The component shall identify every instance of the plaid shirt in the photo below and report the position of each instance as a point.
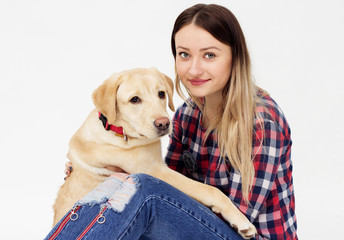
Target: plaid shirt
(272, 204)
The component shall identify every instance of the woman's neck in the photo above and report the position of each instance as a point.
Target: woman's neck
(210, 110)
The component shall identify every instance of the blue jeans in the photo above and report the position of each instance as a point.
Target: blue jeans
(143, 208)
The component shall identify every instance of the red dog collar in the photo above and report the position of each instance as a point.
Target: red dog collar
(118, 130)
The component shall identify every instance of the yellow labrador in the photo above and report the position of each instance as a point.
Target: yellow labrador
(132, 106)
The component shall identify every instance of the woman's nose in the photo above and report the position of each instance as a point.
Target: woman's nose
(195, 68)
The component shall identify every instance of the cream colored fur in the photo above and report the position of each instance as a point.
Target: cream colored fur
(92, 148)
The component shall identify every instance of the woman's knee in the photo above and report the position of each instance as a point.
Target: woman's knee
(138, 189)
(143, 179)
(133, 187)
(149, 183)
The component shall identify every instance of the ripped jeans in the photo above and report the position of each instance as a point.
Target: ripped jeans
(140, 207)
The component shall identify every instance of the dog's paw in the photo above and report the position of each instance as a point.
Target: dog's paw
(240, 223)
(246, 229)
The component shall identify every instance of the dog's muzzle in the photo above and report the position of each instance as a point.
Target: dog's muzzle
(162, 124)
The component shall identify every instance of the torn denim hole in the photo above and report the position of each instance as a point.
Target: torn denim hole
(102, 192)
(123, 195)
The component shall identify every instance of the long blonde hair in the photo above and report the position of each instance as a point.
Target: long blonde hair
(234, 122)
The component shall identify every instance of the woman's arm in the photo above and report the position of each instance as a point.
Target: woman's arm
(272, 203)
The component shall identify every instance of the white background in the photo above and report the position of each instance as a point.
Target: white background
(53, 54)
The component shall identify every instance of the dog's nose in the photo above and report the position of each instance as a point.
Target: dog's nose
(162, 123)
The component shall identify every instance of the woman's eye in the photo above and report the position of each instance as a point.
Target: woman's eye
(161, 94)
(135, 100)
(184, 55)
(209, 55)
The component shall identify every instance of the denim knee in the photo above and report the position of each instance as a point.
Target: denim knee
(149, 185)
(144, 179)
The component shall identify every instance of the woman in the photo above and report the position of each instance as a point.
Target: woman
(229, 134)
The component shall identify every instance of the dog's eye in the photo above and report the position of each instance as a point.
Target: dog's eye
(135, 100)
(161, 94)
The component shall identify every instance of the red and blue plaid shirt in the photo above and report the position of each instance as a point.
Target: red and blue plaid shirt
(272, 204)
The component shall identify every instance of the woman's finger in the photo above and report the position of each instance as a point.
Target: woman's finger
(68, 166)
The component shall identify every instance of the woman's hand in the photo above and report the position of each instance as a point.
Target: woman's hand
(69, 169)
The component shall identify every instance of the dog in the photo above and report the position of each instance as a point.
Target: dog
(124, 131)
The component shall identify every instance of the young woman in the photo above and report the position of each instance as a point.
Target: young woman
(229, 134)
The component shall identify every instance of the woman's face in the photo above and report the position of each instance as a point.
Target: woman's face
(203, 63)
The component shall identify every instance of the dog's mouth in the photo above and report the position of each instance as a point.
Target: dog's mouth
(163, 132)
(158, 134)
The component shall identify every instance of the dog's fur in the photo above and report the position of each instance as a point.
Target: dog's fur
(92, 148)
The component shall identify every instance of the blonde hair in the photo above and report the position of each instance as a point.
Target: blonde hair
(233, 124)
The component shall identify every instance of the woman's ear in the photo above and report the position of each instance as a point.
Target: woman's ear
(104, 97)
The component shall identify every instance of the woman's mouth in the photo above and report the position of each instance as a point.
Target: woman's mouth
(198, 82)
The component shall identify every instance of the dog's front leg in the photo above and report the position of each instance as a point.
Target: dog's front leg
(210, 197)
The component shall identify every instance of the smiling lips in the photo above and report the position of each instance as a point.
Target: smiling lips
(198, 82)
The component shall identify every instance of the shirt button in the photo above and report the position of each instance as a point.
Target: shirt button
(189, 161)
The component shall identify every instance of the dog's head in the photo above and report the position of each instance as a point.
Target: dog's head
(136, 100)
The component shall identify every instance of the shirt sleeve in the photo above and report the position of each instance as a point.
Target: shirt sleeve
(271, 206)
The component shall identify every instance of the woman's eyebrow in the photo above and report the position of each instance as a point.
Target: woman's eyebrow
(207, 48)
(201, 50)
(184, 48)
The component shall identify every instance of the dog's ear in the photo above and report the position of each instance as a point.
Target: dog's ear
(104, 97)
(169, 87)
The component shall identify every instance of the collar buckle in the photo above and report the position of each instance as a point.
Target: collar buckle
(118, 130)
